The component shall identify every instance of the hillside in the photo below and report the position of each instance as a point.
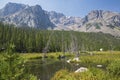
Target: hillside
(24, 15)
(35, 40)
(34, 16)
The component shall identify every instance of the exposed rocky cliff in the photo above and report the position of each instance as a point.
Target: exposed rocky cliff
(35, 16)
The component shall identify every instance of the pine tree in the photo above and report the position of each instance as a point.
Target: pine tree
(12, 66)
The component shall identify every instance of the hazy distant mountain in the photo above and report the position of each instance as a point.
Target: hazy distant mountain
(35, 16)
(101, 21)
(24, 15)
(95, 21)
(11, 8)
(64, 22)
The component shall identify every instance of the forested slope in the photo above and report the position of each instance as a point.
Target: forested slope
(35, 40)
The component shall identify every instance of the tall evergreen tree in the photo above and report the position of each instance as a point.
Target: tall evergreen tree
(12, 66)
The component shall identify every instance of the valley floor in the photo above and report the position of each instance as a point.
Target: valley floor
(57, 69)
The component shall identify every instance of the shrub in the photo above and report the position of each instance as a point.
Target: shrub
(12, 67)
(66, 75)
(60, 75)
(114, 68)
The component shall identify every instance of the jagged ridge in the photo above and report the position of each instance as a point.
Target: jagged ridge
(35, 16)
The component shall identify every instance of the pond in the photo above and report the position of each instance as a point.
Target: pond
(46, 69)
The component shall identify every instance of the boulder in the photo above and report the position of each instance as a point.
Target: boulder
(99, 66)
(81, 69)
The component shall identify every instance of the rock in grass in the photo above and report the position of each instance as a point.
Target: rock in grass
(76, 59)
(99, 66)
(81, 69)
(68, 61)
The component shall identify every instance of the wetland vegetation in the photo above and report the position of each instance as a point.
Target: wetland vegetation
(43, 55)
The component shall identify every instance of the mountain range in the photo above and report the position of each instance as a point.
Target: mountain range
(35, 16)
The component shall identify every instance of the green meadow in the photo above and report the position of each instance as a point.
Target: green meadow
(62, 70)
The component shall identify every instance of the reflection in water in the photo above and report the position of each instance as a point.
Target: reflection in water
(45, 70)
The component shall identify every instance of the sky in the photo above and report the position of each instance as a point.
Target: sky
(78, 8)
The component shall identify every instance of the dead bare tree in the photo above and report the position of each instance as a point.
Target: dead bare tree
(74, 45)
(46, 48)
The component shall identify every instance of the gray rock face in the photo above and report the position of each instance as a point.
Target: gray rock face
(64, 22)
(95, 21)
(23, 15)
(11, 8)
(102, 15)
(101, 21)
(35, 16)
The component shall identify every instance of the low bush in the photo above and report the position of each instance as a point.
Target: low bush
(114, 68)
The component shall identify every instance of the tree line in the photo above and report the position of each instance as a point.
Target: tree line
(36, 40)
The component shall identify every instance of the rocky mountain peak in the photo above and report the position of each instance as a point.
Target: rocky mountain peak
(53, 14)
(35, 16)
(95, 14)
(24, 15)
(36, 8)
(11, 8)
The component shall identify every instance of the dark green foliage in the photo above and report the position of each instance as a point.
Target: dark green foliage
(97, 25)
(88, 26)
(111, 26)
(12, 66)
(35, 40)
